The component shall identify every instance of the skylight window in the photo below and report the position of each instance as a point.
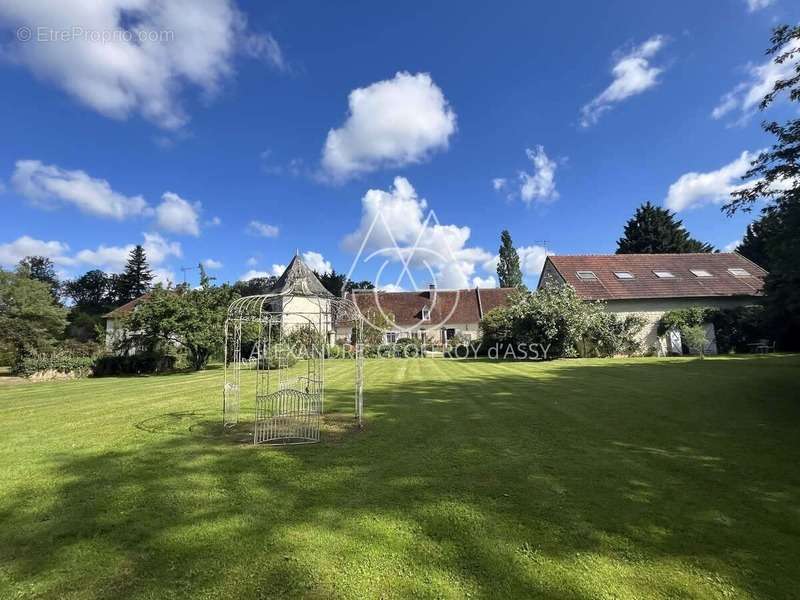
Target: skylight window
(586, 275)
(664, 274)
(700, 273)
(623, 275)
(738, 272)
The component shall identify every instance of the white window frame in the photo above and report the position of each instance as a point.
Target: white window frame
(702, 273)
(663, 274)
(624, 275)
(739, 272)
(426, 313)
(391, 337)
(592, 275)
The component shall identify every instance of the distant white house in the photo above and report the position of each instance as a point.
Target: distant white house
(653, 284)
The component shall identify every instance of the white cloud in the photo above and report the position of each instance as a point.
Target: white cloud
(13, 252)
(499, 183)
(394, 122)
(747, 95)
(265, 47)
(633, 74)
(113, 258)
(278, 270)
(531, 259)
(214, 222)
(108, 258)
(252, 261)
(177, 215)
(754, 5)
(252, 274)
(49, 185)
(732, 246)
(484, 282)
(391, 287)
(541, 184)
(316, 262)
(262, 229)
(154, 51)
(694, 189)
(399, 215)
(210, 263)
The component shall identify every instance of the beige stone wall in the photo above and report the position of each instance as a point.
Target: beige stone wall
(653, 310)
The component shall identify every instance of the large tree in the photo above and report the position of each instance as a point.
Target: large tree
(509, 274)
(191, 319)
(137, 278)
(655, 230)
(755, 240)
(775, 176)
(41, 269)
(91, 295)
(30, 319)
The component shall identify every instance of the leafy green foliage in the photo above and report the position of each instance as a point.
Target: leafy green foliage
(256, 286)
(655, 230)
(376, 324)
(735, 328)
(30, 319)
(695, 338)
(775, 176)
(184, 318)
(684, 317)
(509, 274)
(754, 244)
(610, 334)
(58, 362)
(41, 269)
(152, 361)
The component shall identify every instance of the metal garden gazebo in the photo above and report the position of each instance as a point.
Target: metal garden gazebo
(265, 335)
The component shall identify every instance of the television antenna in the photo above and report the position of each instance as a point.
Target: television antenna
(186, 270)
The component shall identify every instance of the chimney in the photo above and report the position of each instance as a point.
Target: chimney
(431, 290)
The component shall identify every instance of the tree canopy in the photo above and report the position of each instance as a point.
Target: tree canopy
(509, 274)
(655, 230)
(137, 278)
(30, 320)
(41, 269)
(775, 176)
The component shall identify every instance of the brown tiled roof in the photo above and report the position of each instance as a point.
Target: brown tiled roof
(446, 306)
(645, 284)
(126, 308)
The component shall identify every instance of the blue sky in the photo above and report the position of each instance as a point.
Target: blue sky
(259, 129)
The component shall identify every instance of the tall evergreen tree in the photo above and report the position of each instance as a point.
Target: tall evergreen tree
(756, 238)
(655, 230)
(508, 272)
(775, 176)
(137, 277)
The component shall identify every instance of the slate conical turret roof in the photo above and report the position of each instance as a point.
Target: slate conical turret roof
(299, 280)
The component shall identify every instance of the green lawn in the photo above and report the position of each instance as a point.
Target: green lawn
(670, 478)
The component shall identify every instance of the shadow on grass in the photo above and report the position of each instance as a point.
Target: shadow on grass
(673, 479)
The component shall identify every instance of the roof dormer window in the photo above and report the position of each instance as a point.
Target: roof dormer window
(426, 314)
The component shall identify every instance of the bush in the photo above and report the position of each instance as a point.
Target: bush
(609, 334)
(736, 327)
(695, 338)
(58, 362)
(133, 364)
(684, 317)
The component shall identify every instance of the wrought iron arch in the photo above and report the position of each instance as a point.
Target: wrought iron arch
(287, 410)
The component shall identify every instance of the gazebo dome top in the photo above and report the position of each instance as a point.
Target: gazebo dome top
(299, 280)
